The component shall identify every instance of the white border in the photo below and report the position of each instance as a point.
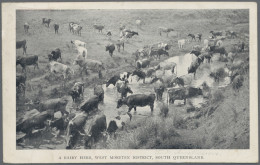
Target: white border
(11, 155)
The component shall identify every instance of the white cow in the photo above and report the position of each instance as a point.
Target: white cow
(56, 67)
(181, 43)
(82, 51)
(139, 23)
(206, 43)
(79, 43)
(219, 43)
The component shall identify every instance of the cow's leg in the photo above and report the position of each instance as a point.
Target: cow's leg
(184, 101)
(151, 106)
(135, 108)
(130, 108)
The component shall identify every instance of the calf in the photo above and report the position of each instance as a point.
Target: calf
(159, 89)
(46, 21)
(56, 67)
(158, 53)
(25, 61)
(82, 52)
(215, 49)
(76, 29)
(137, 100)
(120, 43)
(56, 28)
(21, 44)
(110, 48)
(123, 88)
(130, 34)
(143, 63)
(199, 35)
(140, 74)
(216, 33)
(165, 30)
(77, 91)
(99, 27)
(99, 92)
(181, 43)
(192, 37)
(90, 105)
(57, 104)
(191, 92)
(79, 43)
(26, 27)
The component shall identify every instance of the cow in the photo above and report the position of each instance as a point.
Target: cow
(99, 92)
(159, 89)
(140, 74)
(165, 30)
(74, 129)
(26, 61)
(76, 29)
(55, 55)
(143, 63)
(124, 76)
(35, 122)
(77, 90)
(117, 123)
(57, 104)
(95, 131)
(176, 94)
(99, 27)
(199, 35)
(82, 51)
(56, 67)
(56, 28)
(237, 82)
(177, 81)
(181, 43)
(232, 34)
(21, 44)
(93, 65)
(26, 27)
(46, 21)
(166, 65)
(192, 37)
(20, 82)
(90, 105)
(71, 24)
(120, 43)
(206, 43)
(123, 88)
(219, 43)
(110, 48)
(130, 34)
(192, 92)
(113, 80)
(215, 49)
(158, 53)
(193, 67)
(218, 74)
(141, 53)
(217, 33)
(136, 100)
(139, 23)
(79, 43)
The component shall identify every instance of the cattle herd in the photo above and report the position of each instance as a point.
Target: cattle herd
(72, 123)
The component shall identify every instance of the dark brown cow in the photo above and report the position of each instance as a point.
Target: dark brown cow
(21, 44)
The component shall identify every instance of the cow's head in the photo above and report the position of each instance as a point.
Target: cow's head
(119, 103)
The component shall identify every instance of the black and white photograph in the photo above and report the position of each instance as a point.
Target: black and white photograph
(130, 79)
